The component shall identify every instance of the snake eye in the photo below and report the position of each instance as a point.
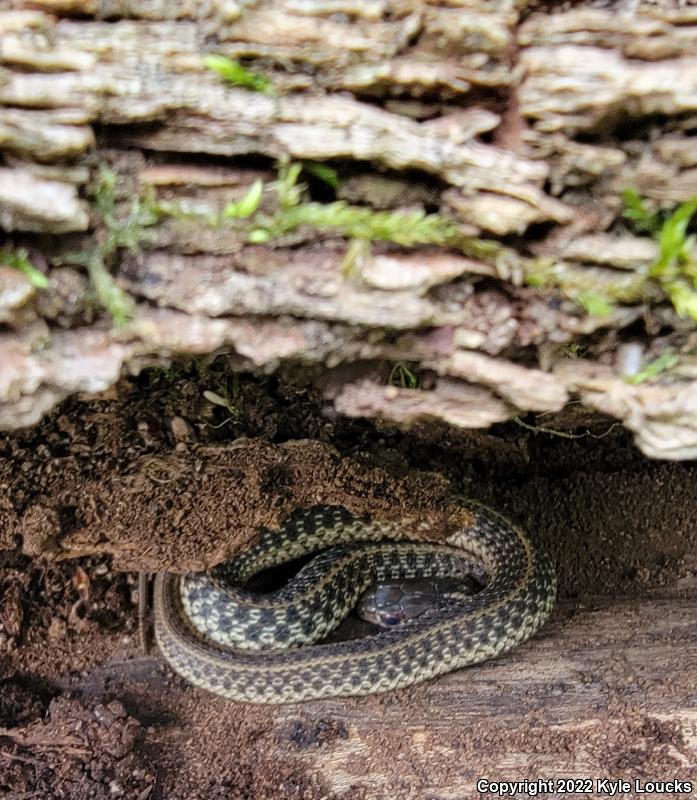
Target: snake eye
(390, 619)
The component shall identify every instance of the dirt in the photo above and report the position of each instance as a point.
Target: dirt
(86, 712)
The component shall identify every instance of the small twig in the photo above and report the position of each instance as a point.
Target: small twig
(23, 759)
(144, 637)
(66, 745)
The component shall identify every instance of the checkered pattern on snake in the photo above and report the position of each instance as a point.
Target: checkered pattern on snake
(261, 648)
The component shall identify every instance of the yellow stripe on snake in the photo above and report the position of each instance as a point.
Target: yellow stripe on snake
(261, 648)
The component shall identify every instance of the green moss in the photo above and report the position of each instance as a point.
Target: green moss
(675, 256)
(109, 296)
(596, 290)
(127, 232)
(288, 191)
(573, 350)
(233, 72)
(595, 304)
(19, 260)
(286, 211)
(290, 212)
(408, 228)
(674, 272)
(358, 252)
(116, 233)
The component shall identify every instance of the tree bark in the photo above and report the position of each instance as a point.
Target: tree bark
(518, 128)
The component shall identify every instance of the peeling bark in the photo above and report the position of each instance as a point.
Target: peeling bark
(520, 128)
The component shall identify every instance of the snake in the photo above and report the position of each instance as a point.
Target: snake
(220, 634)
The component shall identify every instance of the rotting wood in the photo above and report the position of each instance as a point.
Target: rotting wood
(611, 671)
(511, 119)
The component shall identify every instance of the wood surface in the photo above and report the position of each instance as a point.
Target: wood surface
(522, 125)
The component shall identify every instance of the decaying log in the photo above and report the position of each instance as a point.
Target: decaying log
(506, 134)
(521, 128)
(605, 691)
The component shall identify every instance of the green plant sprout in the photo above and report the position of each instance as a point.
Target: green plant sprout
(233, 72)
(247, 205)
(228, 399)
(401, 375)
(19, 260)
(223, 402)
(675, 269)
(324, 173)
(288, 191)
(635, 210)
(573, 350)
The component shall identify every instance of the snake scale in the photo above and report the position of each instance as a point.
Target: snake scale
(252, 654)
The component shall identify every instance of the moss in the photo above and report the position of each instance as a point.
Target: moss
(357, 254)
(268, 212)
(115, 232)
(595, 304)
(109, 296)
(233, 72)
(596, 290)
(407, 228)
(674, 273)
(635, 210)
(573, 350)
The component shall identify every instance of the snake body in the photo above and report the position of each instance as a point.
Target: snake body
(240, 645)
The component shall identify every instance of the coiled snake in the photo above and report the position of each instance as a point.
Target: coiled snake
(225, 639)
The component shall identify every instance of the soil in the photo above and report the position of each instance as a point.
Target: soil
(87, 712)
